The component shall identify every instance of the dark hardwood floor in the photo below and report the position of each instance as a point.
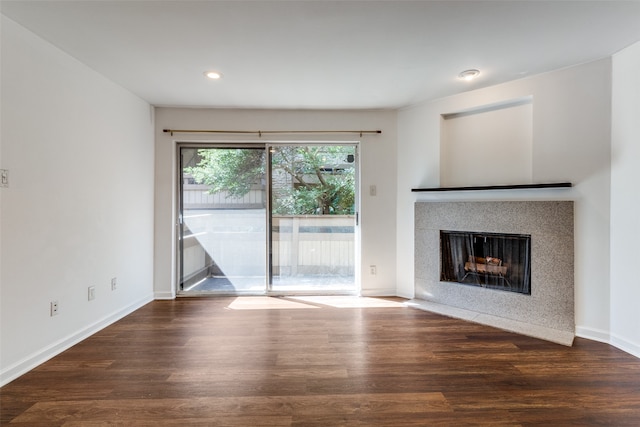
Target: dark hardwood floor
(282, 362)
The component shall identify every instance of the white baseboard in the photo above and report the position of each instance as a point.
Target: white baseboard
(164, 295)
(606, 337)
(378, 292)
(625, 345)
(593, 334)
(28, 363)
(407, 295)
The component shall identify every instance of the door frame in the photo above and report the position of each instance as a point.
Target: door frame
(178, 189)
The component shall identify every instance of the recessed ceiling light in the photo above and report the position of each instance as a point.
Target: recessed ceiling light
(213, 75)
(469, 74)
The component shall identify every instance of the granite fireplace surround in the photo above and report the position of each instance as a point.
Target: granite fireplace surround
(548, 313)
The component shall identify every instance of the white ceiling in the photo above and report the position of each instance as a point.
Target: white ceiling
(324, 54)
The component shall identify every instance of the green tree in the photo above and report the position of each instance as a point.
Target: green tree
(231, 170)
(307, 180)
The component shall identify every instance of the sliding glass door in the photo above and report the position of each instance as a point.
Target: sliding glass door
(273, 218)
(313, 218)
(222, 242)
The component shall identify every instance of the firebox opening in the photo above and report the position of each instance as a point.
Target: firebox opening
(489, 260)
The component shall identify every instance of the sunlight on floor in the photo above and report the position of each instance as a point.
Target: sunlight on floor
(266, 303)
(273, 303)
(350, 301)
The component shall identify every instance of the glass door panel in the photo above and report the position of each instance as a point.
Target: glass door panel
(223, 216)
(313, 218)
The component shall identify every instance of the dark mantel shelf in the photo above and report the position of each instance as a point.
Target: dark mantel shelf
(496, 187)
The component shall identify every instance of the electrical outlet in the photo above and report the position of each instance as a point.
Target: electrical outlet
(114, 283)
(92, 293)
(372, 270)
(54, 308)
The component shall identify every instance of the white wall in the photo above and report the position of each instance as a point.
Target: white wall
(378, 167)
(473, 147)
(79, 208)
(625, 201)
(571, 142)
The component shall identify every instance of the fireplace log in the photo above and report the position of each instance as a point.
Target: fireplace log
(487, 265)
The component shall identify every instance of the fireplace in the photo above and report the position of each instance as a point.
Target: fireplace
(490, 260)
(541, 230)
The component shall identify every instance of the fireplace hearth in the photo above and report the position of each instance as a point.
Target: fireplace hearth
(490, 260)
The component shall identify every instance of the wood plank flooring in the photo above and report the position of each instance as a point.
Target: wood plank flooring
(256, 361)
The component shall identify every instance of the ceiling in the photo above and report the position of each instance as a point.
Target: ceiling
(324, 54)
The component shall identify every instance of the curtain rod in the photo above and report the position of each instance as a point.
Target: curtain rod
(264, 132)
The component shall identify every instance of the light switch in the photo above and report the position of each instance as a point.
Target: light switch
(4, 177)
(373, 190)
